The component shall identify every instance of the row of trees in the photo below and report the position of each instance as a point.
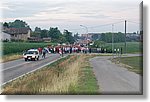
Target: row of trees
(117, 37)
(107, 37)
(54, 34)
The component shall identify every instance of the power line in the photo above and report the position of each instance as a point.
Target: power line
(106, 24)
(133, 22)
(100, 25)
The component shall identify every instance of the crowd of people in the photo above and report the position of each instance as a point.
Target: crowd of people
(61, 49)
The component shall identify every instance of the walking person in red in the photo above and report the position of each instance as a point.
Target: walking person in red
(40, 50)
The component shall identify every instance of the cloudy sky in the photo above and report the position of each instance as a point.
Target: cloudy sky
(96, 15)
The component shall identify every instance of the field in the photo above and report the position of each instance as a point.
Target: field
(135, 64)
(132, 47)
(70, 75)
(19, 47)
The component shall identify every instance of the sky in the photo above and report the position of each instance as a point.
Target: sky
(94, 15)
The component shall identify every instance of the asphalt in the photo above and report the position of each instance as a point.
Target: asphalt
(14, 69)
(114, 79)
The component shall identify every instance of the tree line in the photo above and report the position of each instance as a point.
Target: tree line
(107, 37)
(53, 32)
(117, 37)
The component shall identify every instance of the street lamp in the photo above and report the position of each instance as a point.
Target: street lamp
(86, 33)
(85, 28)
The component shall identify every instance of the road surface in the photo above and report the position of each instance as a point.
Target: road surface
(14, 69)
(114, 79)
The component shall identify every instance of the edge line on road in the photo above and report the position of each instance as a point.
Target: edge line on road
(32, 70)
(18, 65)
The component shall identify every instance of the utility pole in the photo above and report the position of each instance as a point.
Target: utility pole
(112, 40)
(125, 38)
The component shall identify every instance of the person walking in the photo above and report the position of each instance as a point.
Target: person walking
(43, 53)
(60, 51)
(40, 50)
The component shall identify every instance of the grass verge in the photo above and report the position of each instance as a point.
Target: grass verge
(134, 64)
(70, 75)
(87, 81)
(10, 57)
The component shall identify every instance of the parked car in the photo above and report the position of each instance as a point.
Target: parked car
(32, 54)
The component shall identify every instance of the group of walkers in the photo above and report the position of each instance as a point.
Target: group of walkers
(72, 49)
(62, 50)
(68, 49)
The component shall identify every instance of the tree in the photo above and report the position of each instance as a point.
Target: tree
(36, 32)
(76, 36)
(95, 37)
(102, 37)
(107, 37)
(18, 24)
(99, 43)
(55, 34)
(6, 25)
(68, 36)
(44, 33)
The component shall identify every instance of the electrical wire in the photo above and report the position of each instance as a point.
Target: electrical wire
(100, 25)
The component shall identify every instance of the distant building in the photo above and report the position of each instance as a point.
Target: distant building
(84, 42)
(133, 37)
(5, 36)
(86, 35)
(18, 33)
(35, 39)
(91, 36)
(47, 39)
(38, 39)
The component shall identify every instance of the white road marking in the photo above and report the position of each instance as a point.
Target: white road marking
(18, 65)
(14, 66)
(31, 71)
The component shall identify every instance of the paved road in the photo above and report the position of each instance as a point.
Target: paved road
(113, 79)
(14, 69)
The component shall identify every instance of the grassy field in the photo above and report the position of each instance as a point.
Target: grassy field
(70, 75)
(132, 47)
(19, 47)
(135, 63)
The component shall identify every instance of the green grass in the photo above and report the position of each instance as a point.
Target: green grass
(19, 47)
(69, 75)
(132, 47)
(87, 83)
(136, 63)
(11, 57)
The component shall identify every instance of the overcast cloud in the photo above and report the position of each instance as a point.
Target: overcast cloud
(70, 14)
